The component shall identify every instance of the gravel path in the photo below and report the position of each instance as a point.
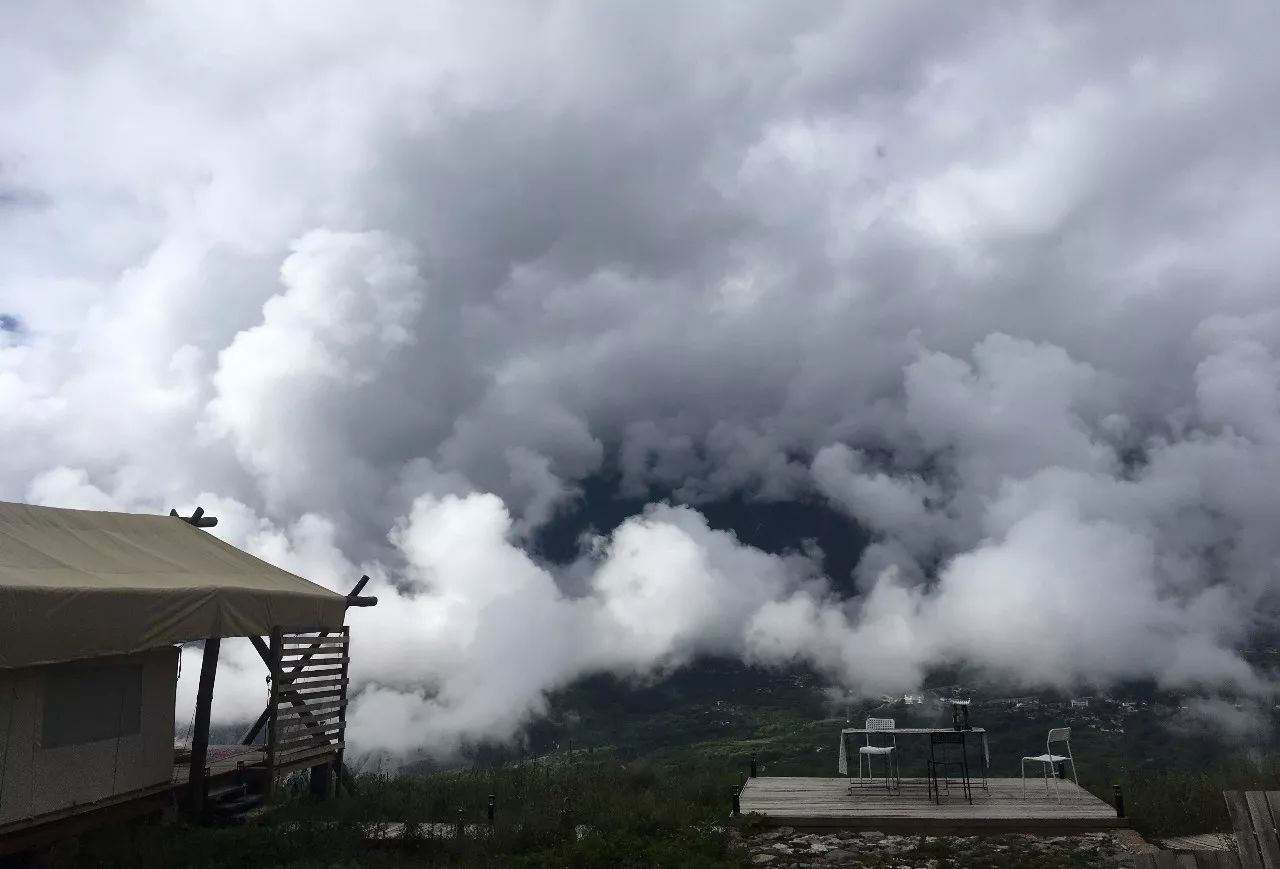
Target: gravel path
(784, 848)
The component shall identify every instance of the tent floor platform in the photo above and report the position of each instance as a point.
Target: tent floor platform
(827, 804)
(237, 763)
(220, 760)
(43, 830)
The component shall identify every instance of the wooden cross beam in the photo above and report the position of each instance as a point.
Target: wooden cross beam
(354, 598)
(265, 654)
(197, 518)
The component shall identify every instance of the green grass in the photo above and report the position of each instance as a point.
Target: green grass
(1179, 802)
(549, 814)
(554, 813)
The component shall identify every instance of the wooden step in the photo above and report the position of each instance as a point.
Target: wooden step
(237, 811)
(225, 793)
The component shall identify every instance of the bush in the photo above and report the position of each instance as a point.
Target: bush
(1181, 802)
(549, 814)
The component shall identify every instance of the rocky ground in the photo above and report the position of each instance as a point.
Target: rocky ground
(784, 848)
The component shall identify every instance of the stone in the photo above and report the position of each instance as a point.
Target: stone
(763, 859)
(836, 856)
(872, 836)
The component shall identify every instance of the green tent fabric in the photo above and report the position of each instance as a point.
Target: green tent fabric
(80, 584)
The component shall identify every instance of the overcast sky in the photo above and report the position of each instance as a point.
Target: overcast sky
(378, 283)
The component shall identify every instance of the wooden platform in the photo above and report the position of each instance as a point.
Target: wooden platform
(221, 760)
(825, 803)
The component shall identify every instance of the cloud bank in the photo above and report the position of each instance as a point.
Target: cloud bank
(380, 286)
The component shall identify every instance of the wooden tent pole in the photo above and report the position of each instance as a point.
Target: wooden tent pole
(200, 735)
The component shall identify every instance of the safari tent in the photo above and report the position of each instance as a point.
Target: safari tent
(93, 608)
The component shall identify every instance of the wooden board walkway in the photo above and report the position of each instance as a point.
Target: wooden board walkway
(221, 759)
(1188, 859)
(825, 803)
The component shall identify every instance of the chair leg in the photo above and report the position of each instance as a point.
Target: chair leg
(1074, 777)
(1057, 797)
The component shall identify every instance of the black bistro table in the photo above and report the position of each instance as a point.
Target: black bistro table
(914, 731)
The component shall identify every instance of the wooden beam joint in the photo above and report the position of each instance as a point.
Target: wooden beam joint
(197, 518)
(354, 598)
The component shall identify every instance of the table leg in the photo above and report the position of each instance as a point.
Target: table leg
(986, 762)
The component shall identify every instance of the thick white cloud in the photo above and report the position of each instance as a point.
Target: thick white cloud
(987, 282)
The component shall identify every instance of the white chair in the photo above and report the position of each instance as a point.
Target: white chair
(888, 752)
(1048, 759)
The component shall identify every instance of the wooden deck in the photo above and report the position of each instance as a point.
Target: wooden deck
(221, 760)
(825, 803)
(232, 763)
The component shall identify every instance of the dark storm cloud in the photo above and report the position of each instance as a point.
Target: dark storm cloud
(997, 284)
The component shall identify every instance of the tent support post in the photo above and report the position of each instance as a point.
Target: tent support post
(200, 734)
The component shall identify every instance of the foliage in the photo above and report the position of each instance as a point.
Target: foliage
(1179, 802)
(553, 813)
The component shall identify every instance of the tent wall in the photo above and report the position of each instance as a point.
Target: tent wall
(85, 731)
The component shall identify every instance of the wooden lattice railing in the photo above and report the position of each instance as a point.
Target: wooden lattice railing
(308, 709)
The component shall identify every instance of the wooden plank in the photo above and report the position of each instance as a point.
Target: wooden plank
(307, 744)
(913, 731)
(309, 721)
(328, 689)
(200, 733)
(1242, 824)
(1264, 829)
(334, 681)
(1198, 859)
(1273, 804)
(314, 685)
(290, 751)
(322, 720)
(826, 803)
(1186, 859)
(308, 740)
(320, 710)
(297, 754)
(314, 673)
(306, 736)
(1166, 860)
(274, 705)
(338, 656)
(307, 727)
(307, 699)
(1144, 861)
(309, 717)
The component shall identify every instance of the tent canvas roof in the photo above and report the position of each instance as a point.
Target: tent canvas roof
(82, 584)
